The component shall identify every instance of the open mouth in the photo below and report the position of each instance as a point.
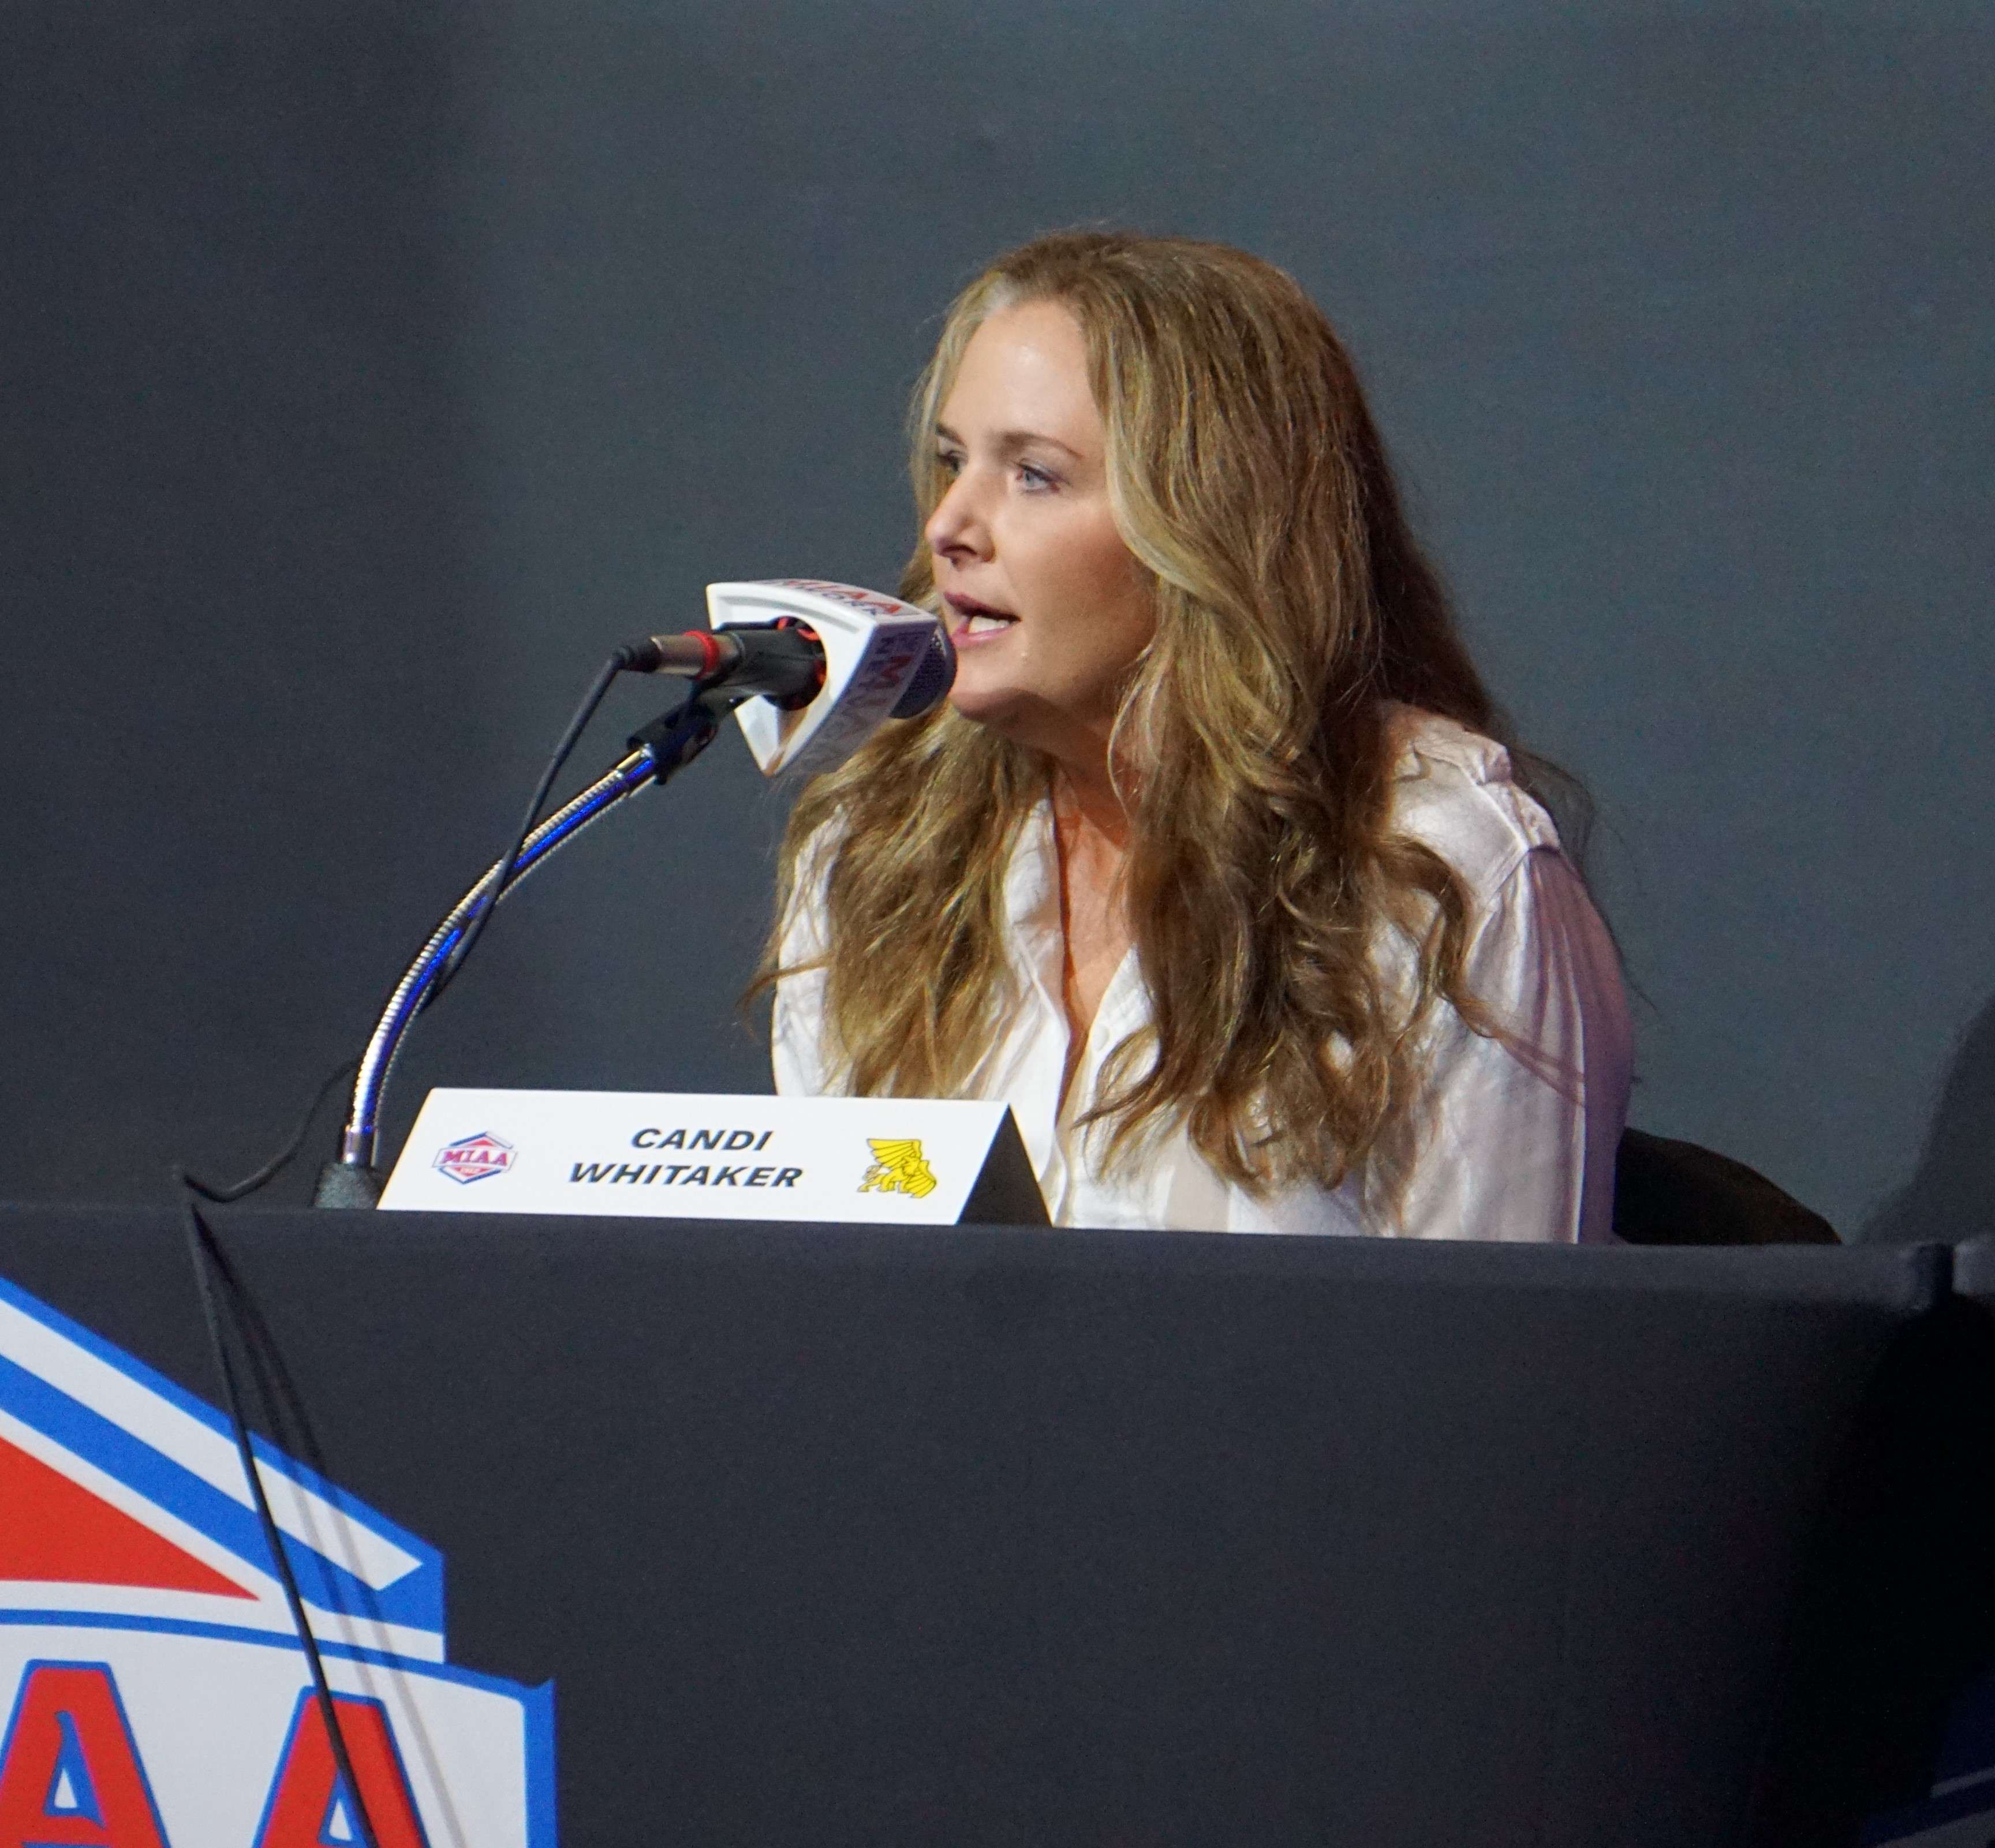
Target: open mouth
(976, 618)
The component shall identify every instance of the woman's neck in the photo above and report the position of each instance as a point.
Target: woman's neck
(1087, 809)
(1091, 834)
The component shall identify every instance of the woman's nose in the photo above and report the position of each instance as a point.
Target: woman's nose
(956, 527)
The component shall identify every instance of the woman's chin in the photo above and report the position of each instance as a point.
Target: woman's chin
(976, 697)
(1015, 714)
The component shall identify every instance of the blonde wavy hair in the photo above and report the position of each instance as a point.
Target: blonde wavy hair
(1252, 747)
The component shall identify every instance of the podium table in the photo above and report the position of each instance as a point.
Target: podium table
(836, 1534)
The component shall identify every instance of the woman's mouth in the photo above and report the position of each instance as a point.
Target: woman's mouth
(975, 620)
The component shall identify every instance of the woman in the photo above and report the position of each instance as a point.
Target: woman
(1211, 867)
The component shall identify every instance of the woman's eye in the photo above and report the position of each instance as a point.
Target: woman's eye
(1035, 478)
(949, 463)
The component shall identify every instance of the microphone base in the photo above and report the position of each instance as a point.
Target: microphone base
(346, 1184)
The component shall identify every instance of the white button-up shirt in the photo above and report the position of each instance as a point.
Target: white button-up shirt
(1511, 1143)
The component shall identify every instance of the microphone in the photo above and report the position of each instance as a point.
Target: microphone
(810, 668)
(783, 661)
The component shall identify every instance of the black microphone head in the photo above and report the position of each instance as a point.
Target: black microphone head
(933, 677)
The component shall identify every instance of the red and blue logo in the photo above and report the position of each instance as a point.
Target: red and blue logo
(470, 1158)
(154, 1693)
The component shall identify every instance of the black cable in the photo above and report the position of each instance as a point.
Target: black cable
(290, 1425)
(228, 1196)
(204, 1252)
(277, 1391)
(617, 662)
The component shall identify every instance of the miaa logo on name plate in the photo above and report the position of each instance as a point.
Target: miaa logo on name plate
(474, 1158)
(154, 1691)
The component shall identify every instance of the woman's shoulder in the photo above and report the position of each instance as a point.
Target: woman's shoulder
(1454, 790)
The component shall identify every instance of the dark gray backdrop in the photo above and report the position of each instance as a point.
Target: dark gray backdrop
(369, 368)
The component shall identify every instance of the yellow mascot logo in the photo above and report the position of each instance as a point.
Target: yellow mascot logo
(898, 1168)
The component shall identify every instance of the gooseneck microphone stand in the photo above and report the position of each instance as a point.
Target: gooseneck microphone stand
(783, 661)
(661, 750)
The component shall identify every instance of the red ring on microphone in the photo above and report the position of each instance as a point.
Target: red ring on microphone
(711, 657)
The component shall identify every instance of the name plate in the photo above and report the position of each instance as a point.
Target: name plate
(625, 1154)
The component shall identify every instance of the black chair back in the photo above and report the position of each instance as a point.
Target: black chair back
(1667, 1192)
